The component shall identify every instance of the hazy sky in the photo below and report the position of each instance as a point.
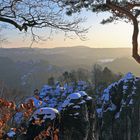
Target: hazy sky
(99, 36)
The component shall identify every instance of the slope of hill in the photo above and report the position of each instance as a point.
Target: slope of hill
(124, 65)
(35, 65)
(78, 52)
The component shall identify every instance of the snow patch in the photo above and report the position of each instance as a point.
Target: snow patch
(49, 113)
(11, 133)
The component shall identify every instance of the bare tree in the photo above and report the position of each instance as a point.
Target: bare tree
(30, 14)
(128, 10)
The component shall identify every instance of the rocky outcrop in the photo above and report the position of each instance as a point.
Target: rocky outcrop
(119, 114)
(74, 105)
(41, 120)
(114, 116)
(77, 117)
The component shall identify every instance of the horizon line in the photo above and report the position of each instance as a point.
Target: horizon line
(66, 47)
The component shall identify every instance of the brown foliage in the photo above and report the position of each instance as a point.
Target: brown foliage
(9, 108)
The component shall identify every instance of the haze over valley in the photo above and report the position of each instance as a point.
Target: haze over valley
(33, 66)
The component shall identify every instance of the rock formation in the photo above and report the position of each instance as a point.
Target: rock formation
(119, 114)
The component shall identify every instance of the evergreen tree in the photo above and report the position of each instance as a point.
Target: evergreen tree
(127, 10)
(51, 81)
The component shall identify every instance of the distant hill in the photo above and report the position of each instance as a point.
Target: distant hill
(76, 52)
(66, 56)
(124, 65)
(35, 65)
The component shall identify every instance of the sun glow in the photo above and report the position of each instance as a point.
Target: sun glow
(111, 35)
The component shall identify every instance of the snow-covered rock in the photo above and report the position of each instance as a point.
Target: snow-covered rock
(11, 133)
(74, 112)
(71, 98)
(45, 90)
(119, 109)
(47, 112)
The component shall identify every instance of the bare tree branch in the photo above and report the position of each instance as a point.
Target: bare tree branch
(25, 14)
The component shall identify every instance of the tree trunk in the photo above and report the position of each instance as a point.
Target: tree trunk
(135, 54)
(130, 15)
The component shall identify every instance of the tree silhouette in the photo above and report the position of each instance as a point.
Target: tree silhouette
(30, 14)
(127, 10)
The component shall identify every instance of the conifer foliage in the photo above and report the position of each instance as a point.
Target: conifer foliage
(126, 10)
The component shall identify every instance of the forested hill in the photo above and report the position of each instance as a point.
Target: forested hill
(31, 67)
(80, 53)
(117, 59)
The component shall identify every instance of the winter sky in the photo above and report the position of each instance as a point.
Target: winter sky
(99, 36)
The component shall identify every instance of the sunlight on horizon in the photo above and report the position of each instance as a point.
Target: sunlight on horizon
(113, 35)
